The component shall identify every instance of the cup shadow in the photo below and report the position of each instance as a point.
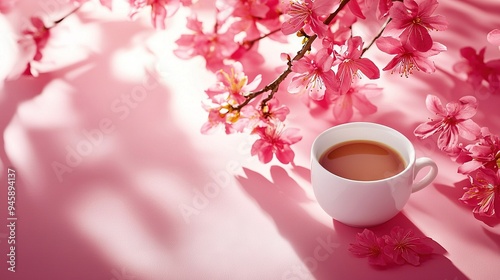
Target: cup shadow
(322, 249)
(455, 192)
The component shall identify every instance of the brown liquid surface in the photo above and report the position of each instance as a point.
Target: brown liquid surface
(362, 160)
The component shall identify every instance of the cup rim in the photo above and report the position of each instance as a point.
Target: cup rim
(411, 152)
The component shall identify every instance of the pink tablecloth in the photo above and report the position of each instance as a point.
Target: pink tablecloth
(152, 198)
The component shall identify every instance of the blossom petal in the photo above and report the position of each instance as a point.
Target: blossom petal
(427, 129)
(263, 150)
(285, 155)
(433, 104)
(364, 106)
(468, 129)
(367, 67)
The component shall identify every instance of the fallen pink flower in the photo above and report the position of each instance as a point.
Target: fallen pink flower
(452, 121)
(483, 193)
(404, 247)
(483, 154)
(371, 246)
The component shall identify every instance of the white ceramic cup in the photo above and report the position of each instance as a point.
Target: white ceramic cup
(366, 203)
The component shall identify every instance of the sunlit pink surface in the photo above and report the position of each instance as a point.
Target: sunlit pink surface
(154, 199)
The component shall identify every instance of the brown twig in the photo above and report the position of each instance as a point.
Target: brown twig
(274, 85)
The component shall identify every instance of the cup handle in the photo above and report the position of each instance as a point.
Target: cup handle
(419, 164)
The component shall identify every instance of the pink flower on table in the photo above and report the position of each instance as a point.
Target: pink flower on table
(494, 37)
(371, 246)
(351, 62)
(314, 74)
(404, 247)
(483, 192)
(407, 59)
(452, 121)
(415, 20)
(160, 10)
(307, 15)
(38, 34)
(275, 139)
(214, 47)
(478, 70)
(355, 97)
(483, 154)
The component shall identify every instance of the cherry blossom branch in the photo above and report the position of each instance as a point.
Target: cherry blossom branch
(274, 85)
(249, 43)
(67, 15)
(376, 36)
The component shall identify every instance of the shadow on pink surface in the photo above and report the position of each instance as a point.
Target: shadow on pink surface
(454, 192)
(324, 250)
(90, 222)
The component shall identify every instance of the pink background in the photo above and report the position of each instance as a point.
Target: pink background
(122, 211)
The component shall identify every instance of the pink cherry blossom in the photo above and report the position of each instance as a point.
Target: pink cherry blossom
(355, 9)
(215, 47)
(314, 74)
(355, 97)
(404, 247)
(452, 121)
(275, 139)
(160, 10)
(255, 18)
(351, 62)
(483, 154)
(234, 82)
(307, 15)
(229, 91)
(407, 59)
(494, 37)
(383, 8)
(274, 111)
(478, 70)
(371, 246)
(483, 193)
(415, 20)
(37, 36)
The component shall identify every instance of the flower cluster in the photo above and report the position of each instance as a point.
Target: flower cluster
(479, 160)
(400, 246)
(327, 70)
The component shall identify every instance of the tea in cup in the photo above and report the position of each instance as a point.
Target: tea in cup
(363, 173)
